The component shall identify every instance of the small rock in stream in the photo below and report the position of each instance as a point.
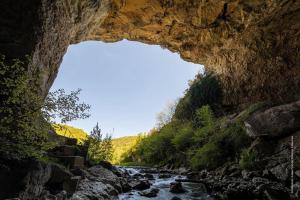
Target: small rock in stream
(175, 198)
(164, 176)
(149, 193)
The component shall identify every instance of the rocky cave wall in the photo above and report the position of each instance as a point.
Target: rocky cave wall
(253, 45)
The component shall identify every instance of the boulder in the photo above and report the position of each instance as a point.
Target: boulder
(278, 121)
(24, 179)
(297, 173)
(149, 176)
(149, 193)
(175, 198)
(61, 179)
(176, 187)
(105, 176)
(164, 176)
(140, 184)
(98, 183)
(281, 172)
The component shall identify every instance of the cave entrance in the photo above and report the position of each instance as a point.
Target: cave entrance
(126, 83)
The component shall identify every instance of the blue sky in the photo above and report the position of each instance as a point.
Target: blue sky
(126, 83)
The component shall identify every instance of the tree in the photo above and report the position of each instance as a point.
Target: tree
(166, 115)
(24, 114)
(99, 148)
(62, 107)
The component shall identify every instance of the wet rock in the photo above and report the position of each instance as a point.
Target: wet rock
(125, 185)
(176, 187)
(175, 198)
(150, 193)
(164, 176)
(149, 171)
(137, 175)
(149, 176)
(139, 184)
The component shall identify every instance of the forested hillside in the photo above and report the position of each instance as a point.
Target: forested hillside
(70, 131)
(121, 146)
(198, 136)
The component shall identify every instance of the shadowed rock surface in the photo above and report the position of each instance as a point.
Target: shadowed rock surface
(252, 45)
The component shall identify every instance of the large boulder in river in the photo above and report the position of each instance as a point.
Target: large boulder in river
(278, 121)
(149, 193)
(176, 187)
(141, 184)
(98, 183)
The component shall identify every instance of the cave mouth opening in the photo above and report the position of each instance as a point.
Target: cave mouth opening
(126, 83)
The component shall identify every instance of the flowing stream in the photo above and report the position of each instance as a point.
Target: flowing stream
(194, 191)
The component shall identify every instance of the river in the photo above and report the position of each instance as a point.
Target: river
(193, 191)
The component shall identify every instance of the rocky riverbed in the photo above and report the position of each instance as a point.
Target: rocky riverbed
(34, 180)
(162, 184)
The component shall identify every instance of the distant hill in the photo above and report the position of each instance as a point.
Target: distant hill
(122, 145)
(71, 132)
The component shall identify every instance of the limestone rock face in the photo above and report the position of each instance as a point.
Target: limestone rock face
(252, 45)
(279, 121)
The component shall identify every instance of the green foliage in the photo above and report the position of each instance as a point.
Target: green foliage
(206, 145)
(194, 137)
(183, 139)
(248, 159)
(208, 156)
(204, 90)
(204, 121)
(158, 146)
(25, 116)
(122, 146)
(99, 148)
(23, 130)
(65, 107)
(70, 132)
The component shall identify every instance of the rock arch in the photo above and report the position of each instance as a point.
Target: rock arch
(254, 46)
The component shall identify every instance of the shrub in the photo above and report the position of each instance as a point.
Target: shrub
(225, 144)
(206, 124)
(209, 156)
(23, 130)
(183, 138)
(248, 159)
